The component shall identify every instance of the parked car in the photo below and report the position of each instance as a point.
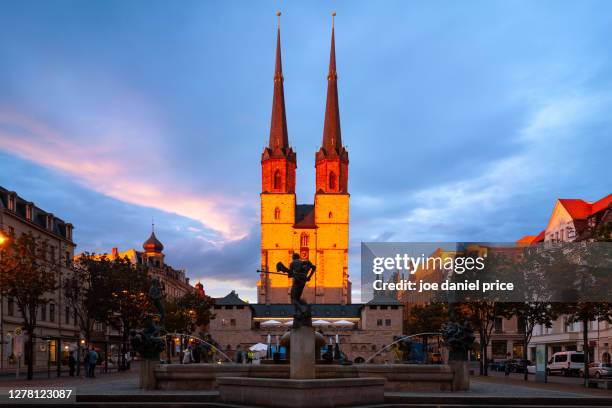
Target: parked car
(566, 363)
(598, 370)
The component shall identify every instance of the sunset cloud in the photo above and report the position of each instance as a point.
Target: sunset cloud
(112, 171)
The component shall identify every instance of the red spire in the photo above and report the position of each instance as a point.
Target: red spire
(332, 139)
(279, 139)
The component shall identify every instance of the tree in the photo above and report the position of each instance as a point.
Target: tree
(190, 311)
(88, 292)
(129, 288)
(586, 312)
(427, 318)
(529, 315)
(28, 277)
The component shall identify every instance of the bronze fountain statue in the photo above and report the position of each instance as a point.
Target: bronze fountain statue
(301, 272)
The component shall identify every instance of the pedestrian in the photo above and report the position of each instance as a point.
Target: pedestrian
(86, 362)
(239, 355)
(249, 357)
(196, 353)
(71, 364)
(188, 357)
(93, 360)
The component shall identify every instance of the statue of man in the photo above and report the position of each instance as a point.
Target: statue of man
(155, 294)
(301, 272)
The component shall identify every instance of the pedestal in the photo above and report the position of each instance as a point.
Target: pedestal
(147, 379)
(461, 375)
(289, 393)
(302, 353)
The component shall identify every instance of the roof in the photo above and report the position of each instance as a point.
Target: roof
(380, 299)
(39, 216)
(318, 310)
(532, 239)
(153, 244)
(231, 299)
(577, 208)
(304, 216)
(278, 145)
(601, 204)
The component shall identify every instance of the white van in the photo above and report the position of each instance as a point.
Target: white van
(566, 363)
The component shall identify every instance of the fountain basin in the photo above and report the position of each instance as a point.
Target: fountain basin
(292, 393)
(398, 377)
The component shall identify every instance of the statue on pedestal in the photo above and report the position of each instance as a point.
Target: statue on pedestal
(301, 272)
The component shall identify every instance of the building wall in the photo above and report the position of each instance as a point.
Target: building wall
(56, 332)
(373, 330)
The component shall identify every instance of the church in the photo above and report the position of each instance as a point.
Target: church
(318, 232)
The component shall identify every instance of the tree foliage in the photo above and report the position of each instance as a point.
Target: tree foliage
(29, 276)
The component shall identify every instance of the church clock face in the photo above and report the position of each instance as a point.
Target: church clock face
(304, 253)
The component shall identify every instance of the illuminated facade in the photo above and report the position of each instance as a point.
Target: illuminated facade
(174, 283)
(319, 231)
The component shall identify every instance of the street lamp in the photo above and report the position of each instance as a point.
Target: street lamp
(3, 238)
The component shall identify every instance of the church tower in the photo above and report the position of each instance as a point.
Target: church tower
(278, 164)
(332, 199)
(319, 231)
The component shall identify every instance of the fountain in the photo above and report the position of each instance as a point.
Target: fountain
(302, 388)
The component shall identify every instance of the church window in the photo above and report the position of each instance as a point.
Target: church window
(330, 215)
(304, 238)
(277, 180)
(277, 213)
(332, 180)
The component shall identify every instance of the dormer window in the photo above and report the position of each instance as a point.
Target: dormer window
(50, 222)
(11, 201)
(29, 211)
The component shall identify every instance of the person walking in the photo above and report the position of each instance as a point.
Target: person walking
(93, 360)
(71, 364)
(86, 362)
(188, 357)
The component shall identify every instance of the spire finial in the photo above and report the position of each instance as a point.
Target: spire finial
(152, 224)
(278, 14)
(333, 14)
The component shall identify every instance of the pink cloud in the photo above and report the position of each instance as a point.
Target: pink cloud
(117, 170)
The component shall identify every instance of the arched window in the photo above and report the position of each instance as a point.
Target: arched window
(332, 180)
(330, 215)
(277, 213)
(277, 180)
(304, 239)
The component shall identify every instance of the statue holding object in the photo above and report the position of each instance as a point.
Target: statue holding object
(301, 272)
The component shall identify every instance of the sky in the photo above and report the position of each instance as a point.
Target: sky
(464, 121)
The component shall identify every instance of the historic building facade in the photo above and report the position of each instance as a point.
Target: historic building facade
(319, 231)
(57, 331)
(575, 220)
(174, 283)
